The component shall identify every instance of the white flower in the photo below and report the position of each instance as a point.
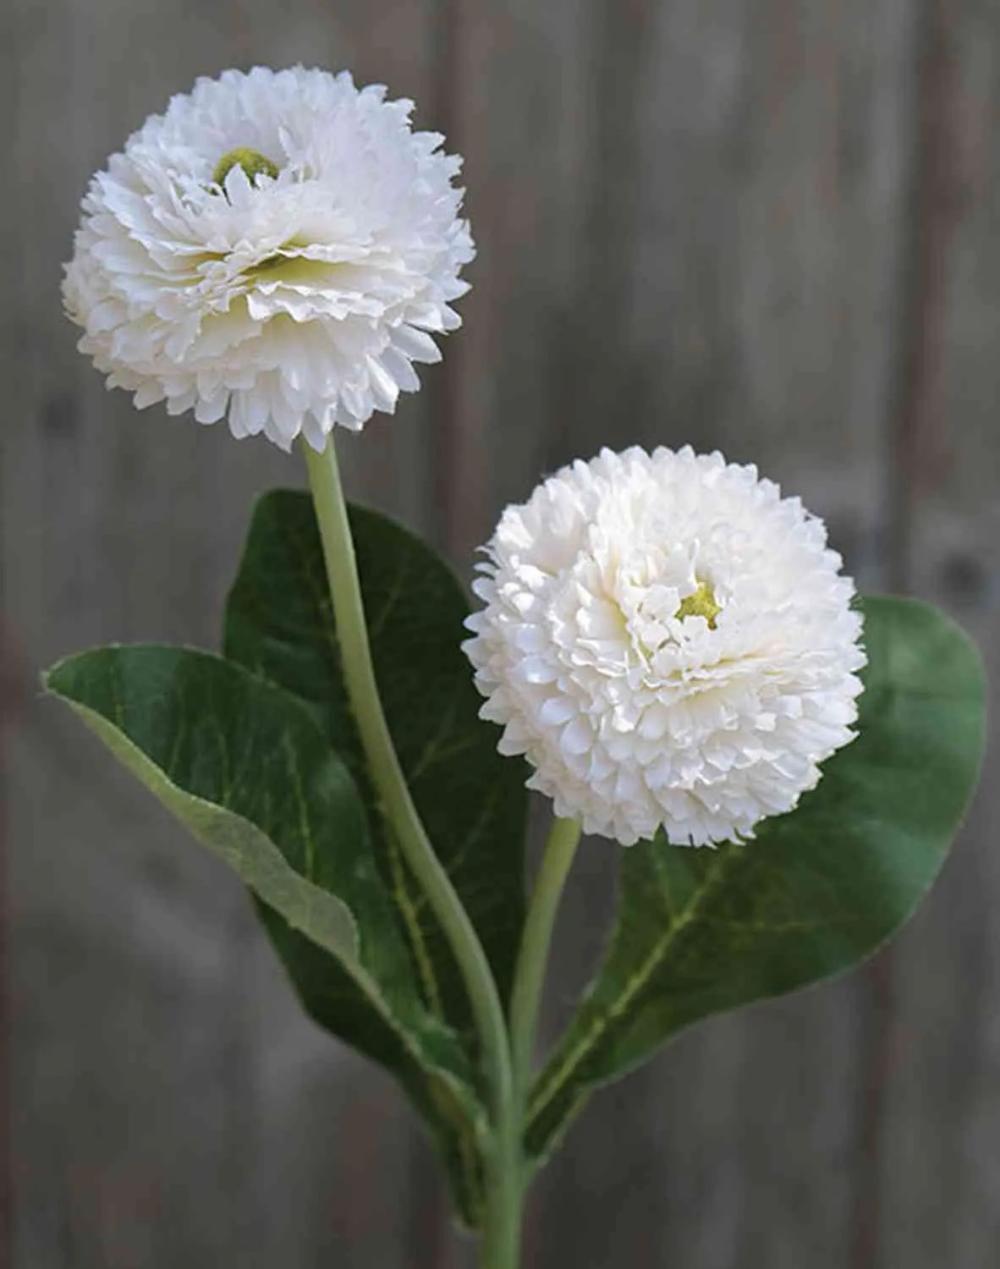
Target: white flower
(278, 248)
(670, 643)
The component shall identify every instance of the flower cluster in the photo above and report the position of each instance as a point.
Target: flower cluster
(278, 248)
(669, 642)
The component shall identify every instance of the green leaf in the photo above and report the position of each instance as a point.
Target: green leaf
(248, 770)
(279, 623)
(473, 802)
(816, 891)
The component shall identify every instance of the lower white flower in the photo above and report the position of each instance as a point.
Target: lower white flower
(278, 248)
(669, 642)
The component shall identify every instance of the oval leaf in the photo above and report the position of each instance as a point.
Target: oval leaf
(246, 768)
(473, 803)
(813, 894)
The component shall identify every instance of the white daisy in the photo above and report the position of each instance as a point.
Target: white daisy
(669, 642)
(278, 248)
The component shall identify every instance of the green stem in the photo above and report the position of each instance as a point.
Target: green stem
(529, 977)
(504, 1185)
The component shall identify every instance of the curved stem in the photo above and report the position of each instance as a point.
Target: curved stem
(504, 1181)
(529, 976)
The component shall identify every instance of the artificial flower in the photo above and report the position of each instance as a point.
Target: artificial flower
(669, 642)
(278, 248)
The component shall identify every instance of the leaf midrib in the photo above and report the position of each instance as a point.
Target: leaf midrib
(550, 1088)
(424, 1060)
(405, 901)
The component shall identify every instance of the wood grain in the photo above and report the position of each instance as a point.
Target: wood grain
(940, 1167)
(768, 227)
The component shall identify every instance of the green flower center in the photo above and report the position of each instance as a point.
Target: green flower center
(251, 161)
(700, 604)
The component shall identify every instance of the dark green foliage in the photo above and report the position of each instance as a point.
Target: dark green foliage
(472, 802)
(259, 756)
(246, 767)
(817, 890)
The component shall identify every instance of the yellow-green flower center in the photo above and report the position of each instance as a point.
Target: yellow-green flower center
(251, 161)
(701, 603)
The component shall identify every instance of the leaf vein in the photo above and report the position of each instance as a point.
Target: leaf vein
(604, 1020)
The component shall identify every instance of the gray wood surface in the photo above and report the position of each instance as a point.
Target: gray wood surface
(769, 227)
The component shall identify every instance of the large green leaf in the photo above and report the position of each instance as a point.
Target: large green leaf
(244, 765)
(814, 893)
(473, 802)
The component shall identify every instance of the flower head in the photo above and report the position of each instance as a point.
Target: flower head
(669, 642)
(278, 248)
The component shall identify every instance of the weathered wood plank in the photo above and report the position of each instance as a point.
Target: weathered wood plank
(172, 1105)
(690, 235)
(940, 1163)
(698, 221)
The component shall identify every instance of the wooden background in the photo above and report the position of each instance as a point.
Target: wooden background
(762, 225)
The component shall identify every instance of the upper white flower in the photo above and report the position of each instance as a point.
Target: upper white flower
(670, 643)
(279, 247)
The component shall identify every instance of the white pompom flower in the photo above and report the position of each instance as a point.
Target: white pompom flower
(278, 248)
(669, 642)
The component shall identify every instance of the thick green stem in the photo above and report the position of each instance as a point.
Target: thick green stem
(529, 977)
(501, 1245)
(504, 1223)
(504, 1164)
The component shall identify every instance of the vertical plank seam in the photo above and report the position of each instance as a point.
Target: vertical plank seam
(8, 689)
(453, 487)
(458, 482)
(913, 410)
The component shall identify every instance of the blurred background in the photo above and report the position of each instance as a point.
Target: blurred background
(760, 225)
